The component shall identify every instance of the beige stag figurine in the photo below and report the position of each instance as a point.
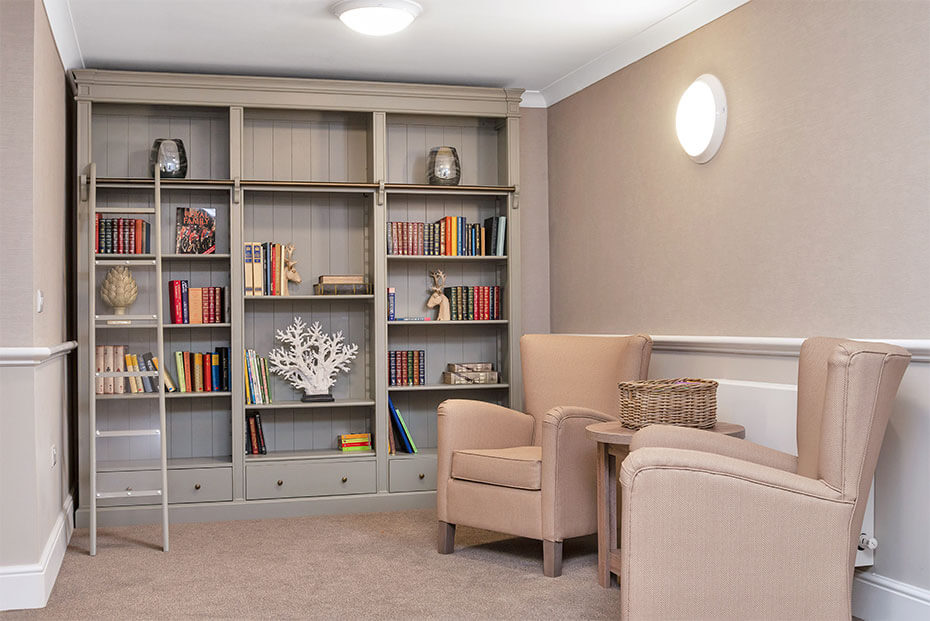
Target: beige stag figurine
(290, 269)
(438, 298)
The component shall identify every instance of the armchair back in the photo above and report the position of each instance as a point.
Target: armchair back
(561, 369)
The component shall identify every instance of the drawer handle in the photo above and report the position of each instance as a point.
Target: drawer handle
(196, 485)
(422, 476)
(280, 482)
(344, 479)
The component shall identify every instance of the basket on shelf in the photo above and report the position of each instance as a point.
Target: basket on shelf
(685, 402)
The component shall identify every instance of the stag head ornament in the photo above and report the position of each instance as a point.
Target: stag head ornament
(438, 298)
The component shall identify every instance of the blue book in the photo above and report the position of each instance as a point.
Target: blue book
(185, 318)
(215, 368)
(399, 427)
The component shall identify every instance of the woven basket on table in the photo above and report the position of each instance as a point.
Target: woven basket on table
(683, 401)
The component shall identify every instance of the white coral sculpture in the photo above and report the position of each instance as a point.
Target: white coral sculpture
(312, 358)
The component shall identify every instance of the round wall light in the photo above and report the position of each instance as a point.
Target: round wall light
(377, 17)
(701, 119)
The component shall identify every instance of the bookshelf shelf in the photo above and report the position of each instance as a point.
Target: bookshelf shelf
(423, 452)
(443, 258)
(127, 209)
(183, 463)
(167, 184)
(298, 405)
(129, 395)
(309, 186)
(447, 190)
(482, 322)
(444, 387)
(125, 259)
(196, 257)
(305, 455)
(198, 394)
(168, 326)
(285, 298)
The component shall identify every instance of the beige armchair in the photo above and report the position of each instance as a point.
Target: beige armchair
(713, 527)
(532, 474)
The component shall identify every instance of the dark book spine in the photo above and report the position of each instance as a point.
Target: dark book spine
(146, 365)
(253, 435)
(224, 367)
(185, 310)
(261, 434)
(248, 434)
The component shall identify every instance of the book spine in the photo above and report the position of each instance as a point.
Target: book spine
(217, 377)
(247, 380)
(174, 300)
(253, 432)
(391, 295)
(188, 371)
(108, 368)
(170, 386)
(265, 380)
(497, 303)
(248, 434)
(98, 364)
(134, 367)
(143, 366)
(197, 360)
(218, 314)
(119, 366)
(179, 367)
(207, 372)
(127, 358)
(258, 270)
(185, 310)
(422, 374)
(261, 434)
(224, 367)
(195, 305)
(247, 267)
(137, 236)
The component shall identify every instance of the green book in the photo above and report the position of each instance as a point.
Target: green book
(179, 363)
(346, 449)
(406, 431)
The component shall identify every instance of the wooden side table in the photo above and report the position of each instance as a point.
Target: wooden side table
(613, 445)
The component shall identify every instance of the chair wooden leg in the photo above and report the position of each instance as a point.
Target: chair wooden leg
(552, 558)
(446, 537)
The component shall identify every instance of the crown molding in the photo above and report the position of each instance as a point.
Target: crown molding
(533, 99)
(62, 23)
(684, 21)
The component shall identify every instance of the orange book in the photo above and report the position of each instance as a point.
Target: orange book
(195, 304)
(139, 240)
(187, 372)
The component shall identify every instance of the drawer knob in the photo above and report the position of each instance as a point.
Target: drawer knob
(280, 482)
(422, 476)
(344, 479)
(196, 485)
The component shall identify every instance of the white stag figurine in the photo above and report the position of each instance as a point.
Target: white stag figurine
(438, 298)
(290, 269)
(312, 360)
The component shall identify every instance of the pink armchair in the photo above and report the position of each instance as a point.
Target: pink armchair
(714, 527)
(532, 474)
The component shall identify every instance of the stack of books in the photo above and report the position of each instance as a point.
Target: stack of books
(355, 442)
(115, 359)
(470, 373)
(256, 379)
(407, 367)
(203, 372)
(450, 236)
(197, 304)
(264, 268)
(342, 284)
(123, 236)
(399, 438)
(254, 435)
(474, 303)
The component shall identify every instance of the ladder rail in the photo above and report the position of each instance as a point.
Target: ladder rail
(91, 350)
(162, 368)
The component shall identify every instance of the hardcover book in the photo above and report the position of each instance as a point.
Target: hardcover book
(196, 230)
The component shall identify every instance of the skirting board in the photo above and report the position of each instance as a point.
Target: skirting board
(877, 598)
(261, 509)
(29, 586)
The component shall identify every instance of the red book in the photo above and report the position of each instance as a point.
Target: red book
(218, 304)
(119, 236)
(273, 266)
(97, 234)
(187, 372)
(253, 434)
(449, 235)
(211, 294)
(359, 443)
(208, 372)
(403, 366)
(177, 302)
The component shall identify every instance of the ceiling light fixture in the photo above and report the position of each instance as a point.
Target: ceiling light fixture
(701, 119)
(377, 17)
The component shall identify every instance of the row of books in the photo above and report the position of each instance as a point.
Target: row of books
(202, 372)
(256, 379)
(449, 236)
(115, 359)
(264, 268)
(254, 435)
(399, 438)
(123, 236)
(474, 303)
(197, 304)
(407, 367)
(349, 442)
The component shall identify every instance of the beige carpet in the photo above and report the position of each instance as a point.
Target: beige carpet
(380, 565)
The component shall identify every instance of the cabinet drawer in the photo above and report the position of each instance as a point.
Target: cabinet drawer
(215, 484)
(412, 474)
(309, 478)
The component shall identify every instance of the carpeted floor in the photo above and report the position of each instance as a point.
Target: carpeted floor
(379, 565)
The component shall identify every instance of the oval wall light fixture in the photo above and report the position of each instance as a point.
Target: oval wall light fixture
(377, 17)
(701, 119)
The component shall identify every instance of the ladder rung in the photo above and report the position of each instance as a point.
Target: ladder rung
(130, 493)
(128, 432)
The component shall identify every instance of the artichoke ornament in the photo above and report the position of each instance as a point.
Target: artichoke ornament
(119, 289)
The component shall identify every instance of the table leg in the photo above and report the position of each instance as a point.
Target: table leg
(606, 513)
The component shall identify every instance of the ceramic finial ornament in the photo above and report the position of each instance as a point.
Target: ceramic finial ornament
(119, 289)
(311, 359)
(438, 298)
(290, 268)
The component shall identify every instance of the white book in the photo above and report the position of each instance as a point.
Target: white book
(247, 261)
(501, 235)
(98, 363)
(108, 368)
(119, 383)
(258, 269)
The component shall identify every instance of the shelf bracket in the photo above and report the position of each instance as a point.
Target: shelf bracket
(84, 188)
(516, 197)
(381, 192)
(237, 190)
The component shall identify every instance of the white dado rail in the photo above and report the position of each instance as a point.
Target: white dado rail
(33, 356)
(767, 346)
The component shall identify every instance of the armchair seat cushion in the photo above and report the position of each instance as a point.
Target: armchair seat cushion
(519, 467)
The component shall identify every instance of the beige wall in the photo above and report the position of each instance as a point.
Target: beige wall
(814, 217)
(534, 220)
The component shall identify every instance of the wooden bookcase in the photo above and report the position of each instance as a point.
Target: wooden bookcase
(326, 165)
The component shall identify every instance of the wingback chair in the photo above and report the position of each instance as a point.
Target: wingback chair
(532, 474)
(714, 527)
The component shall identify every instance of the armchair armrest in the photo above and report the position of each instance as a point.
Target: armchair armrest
(669, 436)
(686, 515)
(569, 459)
(467, 424)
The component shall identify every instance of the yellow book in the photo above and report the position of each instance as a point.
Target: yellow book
(137, 379)
(132, 381)
(197, 376)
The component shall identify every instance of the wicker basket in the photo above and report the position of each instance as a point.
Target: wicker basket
(684, 402)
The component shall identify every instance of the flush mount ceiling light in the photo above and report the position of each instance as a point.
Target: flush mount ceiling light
(377, 17)
(701, 119)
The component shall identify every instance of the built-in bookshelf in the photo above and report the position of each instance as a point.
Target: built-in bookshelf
(325, 166)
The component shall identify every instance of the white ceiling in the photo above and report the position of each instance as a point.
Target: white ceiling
(551, 47)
